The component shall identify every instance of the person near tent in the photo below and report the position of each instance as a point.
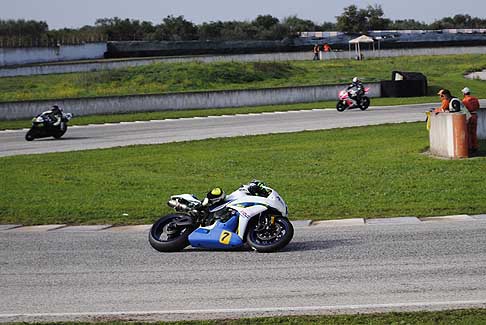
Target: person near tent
(316, 51)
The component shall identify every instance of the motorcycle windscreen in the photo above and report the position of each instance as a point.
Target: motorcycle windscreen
(219, 236)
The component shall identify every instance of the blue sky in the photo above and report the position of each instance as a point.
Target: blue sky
(75, 13)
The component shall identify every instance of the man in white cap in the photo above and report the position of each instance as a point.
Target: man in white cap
(472, 104)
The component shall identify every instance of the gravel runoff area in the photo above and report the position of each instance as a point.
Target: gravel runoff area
(477, 75)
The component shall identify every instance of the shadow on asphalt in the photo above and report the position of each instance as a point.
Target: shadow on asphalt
(47, 139)
(314, 245)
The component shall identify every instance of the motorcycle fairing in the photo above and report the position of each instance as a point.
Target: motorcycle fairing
(220, 235)
(245, 214)
(186, 197)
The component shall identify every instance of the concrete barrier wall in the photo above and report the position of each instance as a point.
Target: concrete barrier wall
(18, 56)
(291, 56)
(448, 135)
(124, 63)
(424, 51)
(482, 123)
(179, 101)
(440, 130)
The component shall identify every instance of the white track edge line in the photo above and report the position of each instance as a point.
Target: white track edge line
(259, 309)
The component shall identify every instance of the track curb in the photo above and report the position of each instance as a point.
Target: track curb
(63, 228)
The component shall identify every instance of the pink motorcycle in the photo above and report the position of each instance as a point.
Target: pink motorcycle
(345, 102)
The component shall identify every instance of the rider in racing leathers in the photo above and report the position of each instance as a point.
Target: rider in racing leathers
(355, 90)
(214, 197)
(217, 195)
(54, 115)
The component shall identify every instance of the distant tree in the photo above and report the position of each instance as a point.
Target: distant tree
(147, 29)
(265, 22)
(117, 29)
(478, 23)
(210, 31)
(459, 21)
(444, 23)
(22, 32)
(238, 30)
(407, 24)
(23, 27)
(295, 25)
(270, 28)
(375, 20)
(176, 29)
(328, 26)
(352, 20)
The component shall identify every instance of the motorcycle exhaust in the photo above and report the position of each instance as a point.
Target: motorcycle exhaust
(177, 206)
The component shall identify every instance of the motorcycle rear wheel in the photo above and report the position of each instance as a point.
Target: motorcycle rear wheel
(61, 131)
(270, 239)
(165, 236)
(340, 106)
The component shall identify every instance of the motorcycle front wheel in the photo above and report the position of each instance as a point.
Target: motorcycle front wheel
(272, 237)
(166, 236)
(340, 106)
(30, 136)
(365, 103)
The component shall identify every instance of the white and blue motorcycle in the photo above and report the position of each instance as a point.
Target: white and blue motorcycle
(254, 214)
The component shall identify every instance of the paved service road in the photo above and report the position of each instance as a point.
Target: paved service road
(109, 274)
(107, 136)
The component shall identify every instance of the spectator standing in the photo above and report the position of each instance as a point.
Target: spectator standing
(316, 51)
(326, 48)
(445, 97)
(472, 104)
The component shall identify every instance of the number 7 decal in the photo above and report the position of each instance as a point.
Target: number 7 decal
(225, 237)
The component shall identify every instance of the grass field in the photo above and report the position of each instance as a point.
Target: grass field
(456, 317)
(441, 71)
(377, 171)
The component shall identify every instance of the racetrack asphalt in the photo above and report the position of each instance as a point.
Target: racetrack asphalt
(62, 273)
(185, 129)
(112, 274)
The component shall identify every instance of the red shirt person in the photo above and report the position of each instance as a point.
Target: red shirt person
(472, 105)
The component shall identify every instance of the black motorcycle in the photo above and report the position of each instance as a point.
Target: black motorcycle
(43, 126)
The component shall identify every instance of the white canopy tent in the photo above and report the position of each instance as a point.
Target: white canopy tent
(356, 42)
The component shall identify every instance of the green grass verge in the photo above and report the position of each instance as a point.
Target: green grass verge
(441, 71)
(457, 317)
(377, 171)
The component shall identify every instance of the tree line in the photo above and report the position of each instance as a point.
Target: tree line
(18, 33)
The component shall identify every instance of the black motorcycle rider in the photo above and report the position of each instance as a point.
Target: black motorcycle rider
(54, 115)
(355, 90)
